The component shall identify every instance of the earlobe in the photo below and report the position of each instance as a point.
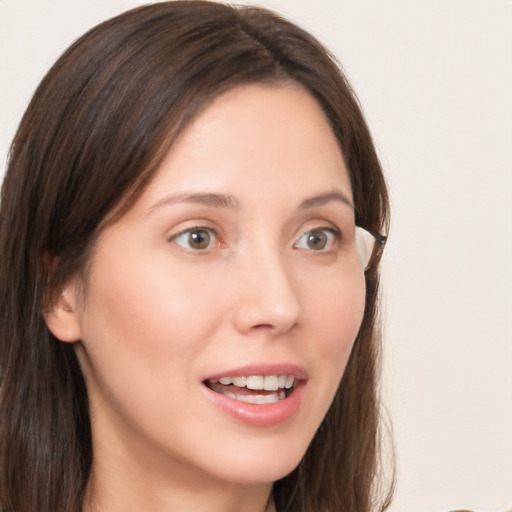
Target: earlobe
(61, 315)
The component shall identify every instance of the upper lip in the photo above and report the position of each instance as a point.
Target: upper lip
(263, 369)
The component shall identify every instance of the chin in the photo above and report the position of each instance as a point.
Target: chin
(260, 464)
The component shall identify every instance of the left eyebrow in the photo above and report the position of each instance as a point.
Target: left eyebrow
(320, 199)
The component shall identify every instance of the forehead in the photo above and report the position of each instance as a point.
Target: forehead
(258, 140)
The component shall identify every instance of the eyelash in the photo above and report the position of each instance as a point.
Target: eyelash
(333, 238)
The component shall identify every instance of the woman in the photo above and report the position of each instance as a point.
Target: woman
(189, 279)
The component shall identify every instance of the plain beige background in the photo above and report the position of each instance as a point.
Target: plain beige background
(435, 78)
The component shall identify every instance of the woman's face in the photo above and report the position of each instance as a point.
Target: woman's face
(236, 269)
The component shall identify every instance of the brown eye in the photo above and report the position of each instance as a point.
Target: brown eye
(317, 239)
(196, 239)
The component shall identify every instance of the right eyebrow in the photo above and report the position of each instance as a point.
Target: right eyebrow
(205, 198)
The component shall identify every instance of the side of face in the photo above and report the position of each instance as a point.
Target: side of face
(239, 260)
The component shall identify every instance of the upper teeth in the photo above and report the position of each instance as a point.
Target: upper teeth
(269, 382)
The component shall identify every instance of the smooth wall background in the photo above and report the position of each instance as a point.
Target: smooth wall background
(435, 79)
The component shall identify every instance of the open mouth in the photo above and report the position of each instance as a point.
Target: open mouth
(254, 389)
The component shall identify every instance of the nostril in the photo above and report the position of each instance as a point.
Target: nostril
(267, 302)
(278, 327)
(263, 326)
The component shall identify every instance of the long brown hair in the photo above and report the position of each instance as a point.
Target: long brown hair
(90, 141)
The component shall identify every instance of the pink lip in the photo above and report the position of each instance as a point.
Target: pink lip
(265, 415)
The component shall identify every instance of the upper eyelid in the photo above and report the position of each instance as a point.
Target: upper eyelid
(197, 227)
(320, 225)
(332, 229)
(336, 232)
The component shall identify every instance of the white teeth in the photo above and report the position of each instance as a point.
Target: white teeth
(268, 383)
(254, 382)
(239, 381)
(258, 399)
(271, 383)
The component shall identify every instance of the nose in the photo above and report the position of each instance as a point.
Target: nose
(267, 298)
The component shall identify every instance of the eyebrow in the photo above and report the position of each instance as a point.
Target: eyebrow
(205, 198)
(320, 199)
(230, 202)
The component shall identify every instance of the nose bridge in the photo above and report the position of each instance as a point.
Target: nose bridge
(268, 296)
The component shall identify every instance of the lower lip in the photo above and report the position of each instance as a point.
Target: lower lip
(264, 415)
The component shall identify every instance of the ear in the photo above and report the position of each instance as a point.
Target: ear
(62, 313)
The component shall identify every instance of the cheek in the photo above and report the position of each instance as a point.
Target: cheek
(146, 305)
(143, 328)
(337, 312)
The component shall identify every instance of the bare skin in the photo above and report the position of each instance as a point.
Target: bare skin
(240, 254)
